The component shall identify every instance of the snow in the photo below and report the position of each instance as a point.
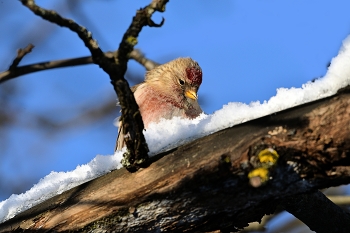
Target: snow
(168, 134)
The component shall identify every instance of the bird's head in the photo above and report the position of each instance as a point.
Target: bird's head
(178, 79)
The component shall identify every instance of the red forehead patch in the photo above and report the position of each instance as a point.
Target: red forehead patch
(194, 74)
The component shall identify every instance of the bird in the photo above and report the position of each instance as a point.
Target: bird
(169, 90)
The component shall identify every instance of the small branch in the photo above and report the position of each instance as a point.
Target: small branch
(136, 55)
(20, 54)
(27, 69)
(302, 205)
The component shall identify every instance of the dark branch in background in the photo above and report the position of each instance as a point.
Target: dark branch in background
(138, 56)
(85, 115)
(17, 71)
(136, 155)
(303, 204)
(261, 226)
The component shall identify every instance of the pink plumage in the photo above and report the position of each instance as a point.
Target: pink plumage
(169, 90)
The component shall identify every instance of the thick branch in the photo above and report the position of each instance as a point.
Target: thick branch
(204, 185)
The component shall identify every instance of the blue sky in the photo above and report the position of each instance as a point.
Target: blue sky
(247, 49)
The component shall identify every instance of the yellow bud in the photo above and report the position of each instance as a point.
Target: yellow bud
(132, 40)
(258, 176)
(268, 157)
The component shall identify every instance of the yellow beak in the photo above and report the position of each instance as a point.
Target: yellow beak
(191, 94)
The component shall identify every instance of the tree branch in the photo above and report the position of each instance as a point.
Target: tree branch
(134, 158)
(138, 56)
(316, 202)
(204, 186)
(136, 155)
(17, 71)
(261, 226)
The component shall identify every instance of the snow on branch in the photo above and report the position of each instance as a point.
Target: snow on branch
(204, 185)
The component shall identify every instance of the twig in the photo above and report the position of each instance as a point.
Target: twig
(27, 69)
(20, 54)
(136, 54)
(136, 155)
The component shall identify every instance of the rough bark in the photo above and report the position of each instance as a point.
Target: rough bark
(203, 186)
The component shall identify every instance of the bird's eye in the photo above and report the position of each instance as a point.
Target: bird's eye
(182, 82)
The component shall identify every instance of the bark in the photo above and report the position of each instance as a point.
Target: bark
(204, 185)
